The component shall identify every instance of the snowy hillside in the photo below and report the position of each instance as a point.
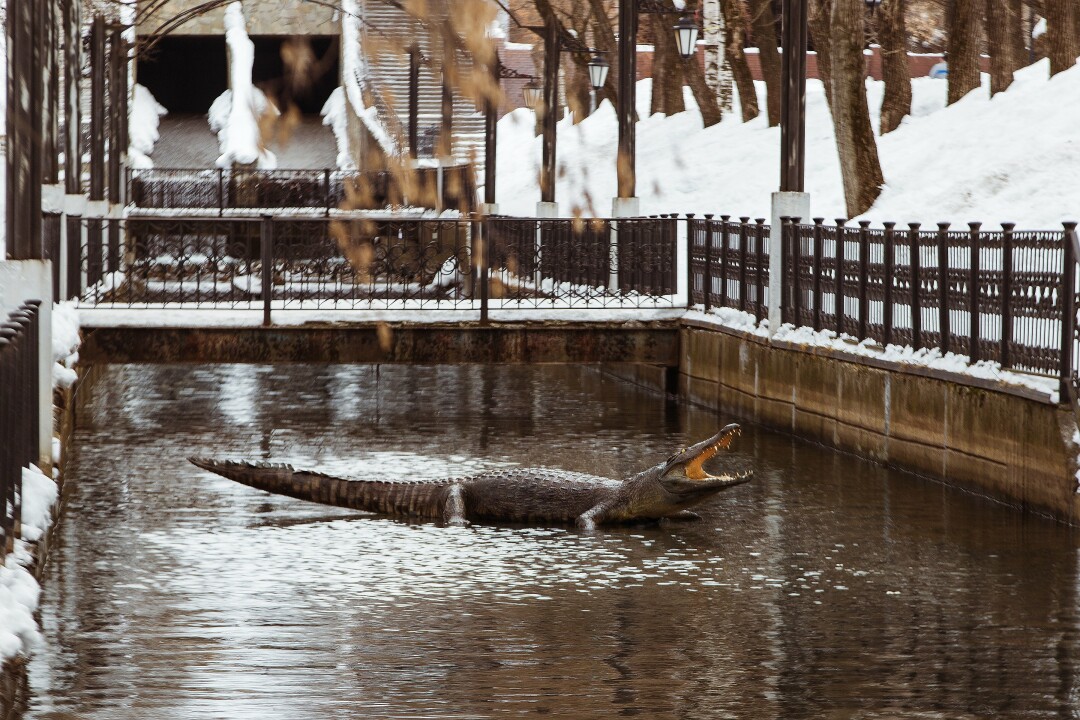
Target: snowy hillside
(1013, 158)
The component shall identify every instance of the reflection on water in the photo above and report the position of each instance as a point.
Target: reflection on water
(827, 587)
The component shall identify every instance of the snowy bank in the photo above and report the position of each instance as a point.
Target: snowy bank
(19, 590)
(1012, 158)
(143, 120)
(235, 114)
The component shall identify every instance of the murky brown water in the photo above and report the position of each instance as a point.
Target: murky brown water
(828, 587)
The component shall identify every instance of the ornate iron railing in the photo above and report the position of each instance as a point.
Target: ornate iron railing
(326, 190)
(377, 262)
(729, 263)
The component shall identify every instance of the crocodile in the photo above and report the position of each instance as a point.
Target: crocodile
(518, 495)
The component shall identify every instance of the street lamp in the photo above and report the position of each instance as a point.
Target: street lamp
(598, 71)
(686, 34)
(531, 93)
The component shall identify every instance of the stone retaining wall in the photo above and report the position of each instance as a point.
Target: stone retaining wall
(1007, 442)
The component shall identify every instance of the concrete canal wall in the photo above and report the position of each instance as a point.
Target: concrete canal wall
(1007, 442)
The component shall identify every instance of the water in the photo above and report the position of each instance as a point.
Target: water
(828, 587)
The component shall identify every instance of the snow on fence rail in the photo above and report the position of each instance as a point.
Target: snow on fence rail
(18, 413)
(370, 262)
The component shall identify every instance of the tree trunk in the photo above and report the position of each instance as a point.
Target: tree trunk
(963, 28)
(1062, 34)
(667, 92)
(894, 62)
(855, 140)
(763, 24)
(717, 67)
(734, 31)
(820, 34)
(704, 94)
(1002, 27)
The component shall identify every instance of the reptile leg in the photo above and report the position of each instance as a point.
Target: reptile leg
(589, 519)
(454, 510)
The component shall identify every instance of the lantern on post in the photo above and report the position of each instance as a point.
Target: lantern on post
(686, 35)
(531, 93)
(598, 71)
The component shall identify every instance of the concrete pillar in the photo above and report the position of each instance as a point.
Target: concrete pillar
(784, 204)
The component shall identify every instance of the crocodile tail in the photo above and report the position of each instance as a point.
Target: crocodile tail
(407, 499)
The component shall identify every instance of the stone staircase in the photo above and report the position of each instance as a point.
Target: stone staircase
(389, 32)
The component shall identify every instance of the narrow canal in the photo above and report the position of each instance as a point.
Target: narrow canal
(828, 587)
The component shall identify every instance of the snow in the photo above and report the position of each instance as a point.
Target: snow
(335, 115)
(65, 343)
(902, 355)
(235, 114)
(979, 159)
(143, 120)
(353, 74)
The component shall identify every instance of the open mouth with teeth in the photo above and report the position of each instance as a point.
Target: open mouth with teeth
(685, 471)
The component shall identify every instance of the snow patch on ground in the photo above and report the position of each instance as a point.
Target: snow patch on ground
(65, 343)
(143, 120)
(1012, 158)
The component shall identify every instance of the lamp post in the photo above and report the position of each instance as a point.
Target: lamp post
(554, 43)
(531, 94)
(686, 30)
(791, 200)
(598, 72)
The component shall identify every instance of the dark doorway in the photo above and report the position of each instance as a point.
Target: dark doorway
(298, 70)
(186, 73)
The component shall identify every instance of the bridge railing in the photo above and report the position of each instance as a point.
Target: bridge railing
(19, 410)
(323, 190)
(356, 262)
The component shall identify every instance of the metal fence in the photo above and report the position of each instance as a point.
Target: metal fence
(997, 296)
(18, 412)
(729, 263)
(451, 187)
(372, 262)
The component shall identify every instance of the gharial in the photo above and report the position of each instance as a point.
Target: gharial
(529, 495)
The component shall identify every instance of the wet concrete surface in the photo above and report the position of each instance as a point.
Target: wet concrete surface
(187, 142)
(827, 587)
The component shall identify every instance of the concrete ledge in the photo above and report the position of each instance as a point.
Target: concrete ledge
(1004, 441)
(547, 342)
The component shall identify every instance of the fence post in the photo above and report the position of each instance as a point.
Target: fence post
(724, 230)
(486, 254)
(838, 298)
(743, 231)
(973, 290)
(706, 275)
(1067, 391)
(795, 293)
(1006, 291)
(326, 189)
(915, 259)
(864, 279)
(221, 191)
(890, 270)
(943, 287)
(266, 254)
(690, 234)
(818, 242)
(759, 255)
